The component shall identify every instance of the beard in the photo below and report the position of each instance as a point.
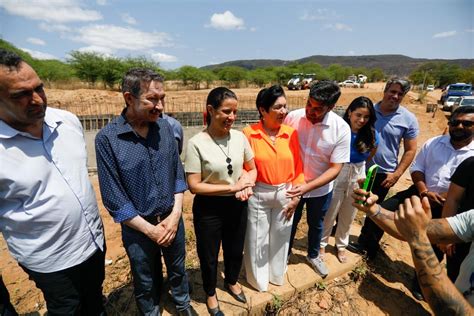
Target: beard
(460, 135)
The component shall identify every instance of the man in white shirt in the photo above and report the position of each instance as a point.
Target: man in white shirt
(48, 209)
(325, 145)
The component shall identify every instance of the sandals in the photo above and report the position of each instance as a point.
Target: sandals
(341, 255)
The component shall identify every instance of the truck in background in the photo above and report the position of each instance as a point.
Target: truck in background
(456, 90)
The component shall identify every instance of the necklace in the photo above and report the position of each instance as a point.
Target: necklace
(228, 160)
(271, 135)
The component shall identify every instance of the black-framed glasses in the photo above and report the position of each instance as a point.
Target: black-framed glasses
(229, 166)
(464, 123)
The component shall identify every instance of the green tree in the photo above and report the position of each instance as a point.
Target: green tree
(261, 76)
(190, 74)
(375, 74)
(87, 65)
(111, 71)
(232, 75)
(208, 77)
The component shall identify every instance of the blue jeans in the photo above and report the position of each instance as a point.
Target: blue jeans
(316, 209)
(144, 255)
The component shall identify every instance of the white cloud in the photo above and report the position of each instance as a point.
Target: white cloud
(127, 18)
(319, 15)
(36, 41)
(54, 27)
(338, 27)
(61, 11)
(97, 49)
(351, 53)
(226, 21)
(115, 37)
(445, 34)
(39, 55)
(101, 2)
(163, 58)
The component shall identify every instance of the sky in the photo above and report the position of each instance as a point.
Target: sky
(200, 33)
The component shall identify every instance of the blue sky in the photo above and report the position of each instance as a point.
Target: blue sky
(199, 33)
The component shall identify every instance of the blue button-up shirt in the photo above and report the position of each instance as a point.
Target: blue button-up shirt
(138, 176)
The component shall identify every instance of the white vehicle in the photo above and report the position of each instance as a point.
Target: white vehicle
(448, 104)
(430, 87)
(362, 78)
(349, 84)
(463, 101)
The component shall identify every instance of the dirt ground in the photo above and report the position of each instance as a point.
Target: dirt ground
(381, 287)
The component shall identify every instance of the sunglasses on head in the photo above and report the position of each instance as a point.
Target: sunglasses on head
(464, 123)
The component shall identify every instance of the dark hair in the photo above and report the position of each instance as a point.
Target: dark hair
(405, 84)
(10, 59)
(465, 109)
(134, 78)
(325, 92)
(267, 97)
(365, 140)
(215, 98)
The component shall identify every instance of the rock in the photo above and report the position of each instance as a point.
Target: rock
(324, 304)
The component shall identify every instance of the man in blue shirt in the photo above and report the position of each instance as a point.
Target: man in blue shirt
(394, 124)
(142, 183)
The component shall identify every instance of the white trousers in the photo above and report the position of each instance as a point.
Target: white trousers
(341, 204)
(267, 237)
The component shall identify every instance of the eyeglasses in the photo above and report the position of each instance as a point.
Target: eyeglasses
(464, 123)
(229, 166)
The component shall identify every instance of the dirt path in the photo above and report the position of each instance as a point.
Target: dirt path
(383, 291)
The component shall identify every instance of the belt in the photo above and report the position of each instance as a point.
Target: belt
(155, 219)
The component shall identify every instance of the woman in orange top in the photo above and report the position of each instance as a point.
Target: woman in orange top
(270, 212)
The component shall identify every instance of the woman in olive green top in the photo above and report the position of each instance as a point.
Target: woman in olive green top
(221, 172)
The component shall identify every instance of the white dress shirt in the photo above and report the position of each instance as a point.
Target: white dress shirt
(438, 159)
(321, 144)
(48, 209)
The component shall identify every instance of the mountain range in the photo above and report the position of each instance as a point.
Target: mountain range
(391, 64)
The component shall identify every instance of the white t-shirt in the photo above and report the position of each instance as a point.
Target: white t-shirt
(463, 226)
(321, 144)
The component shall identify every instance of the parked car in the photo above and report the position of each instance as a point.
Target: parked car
(349, 84)
(295, 83)
(463, 101)
(456, 90)
(430, 87)
(448, 104)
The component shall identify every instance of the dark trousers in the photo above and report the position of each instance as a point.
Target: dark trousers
(219, 219)
(371, 234)
(145, 263)
(6, 308)
(73, 291)
(316, 209)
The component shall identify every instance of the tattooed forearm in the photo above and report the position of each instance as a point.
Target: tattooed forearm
(438, 290)
(440, 232)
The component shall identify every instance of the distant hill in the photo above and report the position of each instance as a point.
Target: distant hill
(391, 64)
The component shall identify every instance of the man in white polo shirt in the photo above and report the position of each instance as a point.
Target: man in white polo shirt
(325, 145)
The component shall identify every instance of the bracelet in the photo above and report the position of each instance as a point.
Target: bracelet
(424, 193)
(379, 210)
